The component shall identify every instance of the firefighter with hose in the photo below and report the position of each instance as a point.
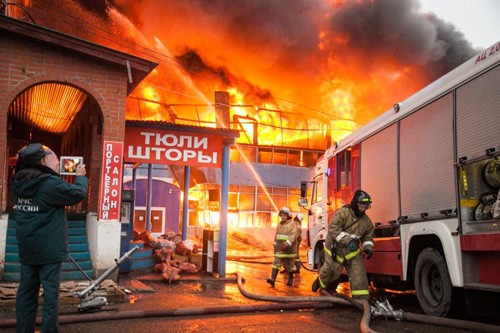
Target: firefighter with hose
(349, 227)
(285, 246)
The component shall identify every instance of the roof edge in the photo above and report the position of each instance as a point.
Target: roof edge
(139, 67)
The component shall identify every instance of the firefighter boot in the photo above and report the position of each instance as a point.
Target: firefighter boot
(315, 285)
(290, 279)
(274, 274)
(297, 266)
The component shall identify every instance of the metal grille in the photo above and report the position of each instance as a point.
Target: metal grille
(426, 160)
(49, 107)
(379, 175)
(478, 115)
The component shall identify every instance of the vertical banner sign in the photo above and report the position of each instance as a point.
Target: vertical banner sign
(111, 181)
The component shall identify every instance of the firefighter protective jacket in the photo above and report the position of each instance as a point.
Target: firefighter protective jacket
(344, 227)
(286, 232)
(299, 231)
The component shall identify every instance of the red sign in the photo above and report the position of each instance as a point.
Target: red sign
(154, 145)
(111, 181)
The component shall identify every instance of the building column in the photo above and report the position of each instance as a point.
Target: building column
(223, 210)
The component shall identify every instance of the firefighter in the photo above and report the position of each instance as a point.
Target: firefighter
(298, 221)
(285, 246)
(348, 227)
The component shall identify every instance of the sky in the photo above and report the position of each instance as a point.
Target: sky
(478, 20)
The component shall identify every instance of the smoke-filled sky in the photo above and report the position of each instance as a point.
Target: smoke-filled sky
(331, 59)
(476, 19)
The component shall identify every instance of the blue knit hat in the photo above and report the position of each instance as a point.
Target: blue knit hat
(33, 153)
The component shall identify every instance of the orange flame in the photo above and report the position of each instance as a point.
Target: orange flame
(335, 78)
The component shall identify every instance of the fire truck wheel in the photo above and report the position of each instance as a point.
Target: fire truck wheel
(433, 283)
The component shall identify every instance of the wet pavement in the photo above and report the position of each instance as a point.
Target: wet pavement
(208, 303)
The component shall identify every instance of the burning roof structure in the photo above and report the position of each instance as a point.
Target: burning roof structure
(318, 66)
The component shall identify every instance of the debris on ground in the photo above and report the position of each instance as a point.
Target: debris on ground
(108, 288)
(8, 290)
(172, 255)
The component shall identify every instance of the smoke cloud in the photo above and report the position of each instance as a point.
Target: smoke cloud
(303, 50)
(393, 28)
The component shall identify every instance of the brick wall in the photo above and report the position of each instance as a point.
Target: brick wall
(26, 63)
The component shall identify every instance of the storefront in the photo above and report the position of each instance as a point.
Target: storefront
(70, 95)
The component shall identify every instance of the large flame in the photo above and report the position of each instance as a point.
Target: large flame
(302, 71)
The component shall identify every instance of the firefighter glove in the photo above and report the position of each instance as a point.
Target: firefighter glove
(368, 253)
(284, 246)
(353, 245)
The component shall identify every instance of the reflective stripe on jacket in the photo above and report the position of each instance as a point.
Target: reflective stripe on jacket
(345, 226)
(340, 259)
(286, 232)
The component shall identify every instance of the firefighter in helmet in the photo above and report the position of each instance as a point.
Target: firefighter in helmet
(285, 246)
(298, 221)
(348, 227)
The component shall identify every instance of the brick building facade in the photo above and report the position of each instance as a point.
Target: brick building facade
(31, 55)
(89, 85)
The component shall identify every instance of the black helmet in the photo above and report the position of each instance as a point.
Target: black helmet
(361, 197)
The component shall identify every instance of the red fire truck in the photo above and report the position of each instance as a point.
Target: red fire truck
(431, 166)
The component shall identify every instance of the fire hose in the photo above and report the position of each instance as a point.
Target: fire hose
(295, 303)
(141, 314)
(365, 320)
(381, 309)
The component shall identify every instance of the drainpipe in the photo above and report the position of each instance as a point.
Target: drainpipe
(150, 196)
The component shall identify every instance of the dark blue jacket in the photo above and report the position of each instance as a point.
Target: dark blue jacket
(40, 198)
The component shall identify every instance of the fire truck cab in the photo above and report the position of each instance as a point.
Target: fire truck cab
(431, 165)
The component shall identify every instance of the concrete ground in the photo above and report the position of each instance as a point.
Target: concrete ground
(208, 303)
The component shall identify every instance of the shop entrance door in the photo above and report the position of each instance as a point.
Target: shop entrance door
(157, 225)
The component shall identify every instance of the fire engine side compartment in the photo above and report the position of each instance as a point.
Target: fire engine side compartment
(386, 258)
(484, 252)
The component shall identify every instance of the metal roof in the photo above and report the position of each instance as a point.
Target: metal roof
(226, 133)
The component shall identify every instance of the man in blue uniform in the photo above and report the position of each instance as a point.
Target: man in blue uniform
(41, 229)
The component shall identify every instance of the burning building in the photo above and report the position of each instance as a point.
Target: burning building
(299, 76)
(323, 67)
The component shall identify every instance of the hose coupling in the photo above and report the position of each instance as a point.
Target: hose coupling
(382, 308)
